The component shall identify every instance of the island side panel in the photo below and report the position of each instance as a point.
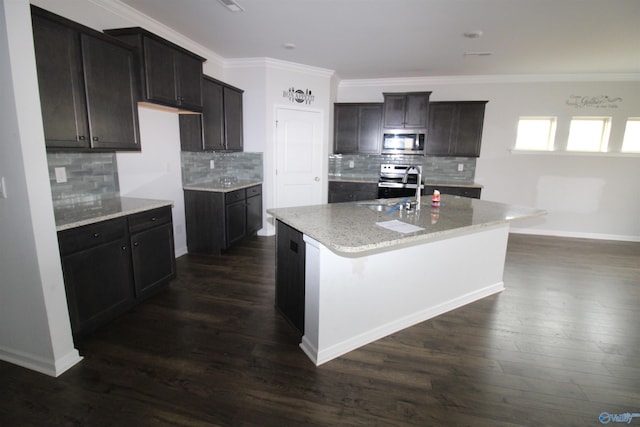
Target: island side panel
(352, 301)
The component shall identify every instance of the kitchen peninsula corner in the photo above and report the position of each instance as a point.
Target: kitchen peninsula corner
(363, 281)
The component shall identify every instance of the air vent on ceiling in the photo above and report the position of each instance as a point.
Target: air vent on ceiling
(231, 5)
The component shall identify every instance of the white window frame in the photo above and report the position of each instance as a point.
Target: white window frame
(626, 140)
(603, 137)
(548, 145)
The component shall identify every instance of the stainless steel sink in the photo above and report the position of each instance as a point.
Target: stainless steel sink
(377, 206)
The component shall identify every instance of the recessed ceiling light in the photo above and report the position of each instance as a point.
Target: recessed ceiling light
(231, 5)
(289, 46)
(473, 34)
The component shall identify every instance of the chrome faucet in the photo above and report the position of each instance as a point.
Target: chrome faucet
(419, 183)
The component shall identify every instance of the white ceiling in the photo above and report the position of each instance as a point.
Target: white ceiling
(413, 38)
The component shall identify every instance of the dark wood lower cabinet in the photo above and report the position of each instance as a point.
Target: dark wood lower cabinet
(152, 250)
(352, 191)
(216, 220)
(111, 265)
(290, 275)
(473, 192)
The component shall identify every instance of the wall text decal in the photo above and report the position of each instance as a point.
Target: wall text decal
(298, 95)
(599, 101)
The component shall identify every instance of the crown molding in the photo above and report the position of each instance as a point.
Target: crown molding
(488, 79)
(140, 19)
(264, 62)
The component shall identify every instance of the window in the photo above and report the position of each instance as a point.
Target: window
(631, 141)
(536, 133)
(589, 134)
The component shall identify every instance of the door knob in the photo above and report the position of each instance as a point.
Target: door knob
(316, 179)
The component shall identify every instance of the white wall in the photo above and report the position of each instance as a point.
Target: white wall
(264, 81)
(154, 173)
(591, 196)
(35, 331)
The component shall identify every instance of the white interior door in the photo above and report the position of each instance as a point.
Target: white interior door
(298, 157)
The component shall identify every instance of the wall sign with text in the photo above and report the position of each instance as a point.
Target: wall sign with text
(598, 101)
(298, 95)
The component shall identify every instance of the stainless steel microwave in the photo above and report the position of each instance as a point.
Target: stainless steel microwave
(403, 141)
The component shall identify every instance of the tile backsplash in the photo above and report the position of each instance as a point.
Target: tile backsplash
(196, 166)
(90, 177)
(366, 167)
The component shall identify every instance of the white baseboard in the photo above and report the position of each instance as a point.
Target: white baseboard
(53, 368)
(382, 331)
(574, 234)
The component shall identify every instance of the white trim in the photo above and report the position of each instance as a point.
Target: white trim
(574, 153)
(277, 64)
(39, 364)
(575, 234)
(496, 78)
(128, 13)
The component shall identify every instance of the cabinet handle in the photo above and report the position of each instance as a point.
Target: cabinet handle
(80, 137)
(95, 138)
(123, 247)
(135, 244)
(96, 235)
(153, 218)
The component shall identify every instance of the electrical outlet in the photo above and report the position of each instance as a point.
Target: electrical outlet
(3, 188)
(460, 167)
(61, 175)
(352, 164)
(212, 164)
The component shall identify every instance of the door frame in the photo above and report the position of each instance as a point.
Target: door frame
(324, 170)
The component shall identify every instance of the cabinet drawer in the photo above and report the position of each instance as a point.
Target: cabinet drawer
(148, 219)
(254, 191)
(91, 235)
(234, 196)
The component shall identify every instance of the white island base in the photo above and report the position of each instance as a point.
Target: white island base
(352, 301)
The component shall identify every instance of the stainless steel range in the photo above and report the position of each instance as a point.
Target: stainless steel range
(398, 180)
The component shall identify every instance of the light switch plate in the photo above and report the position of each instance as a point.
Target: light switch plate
(460, 167)
(61, 175)
(212, 164)
(3, 188)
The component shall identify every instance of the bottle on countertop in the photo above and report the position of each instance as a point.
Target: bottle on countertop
(435, 199)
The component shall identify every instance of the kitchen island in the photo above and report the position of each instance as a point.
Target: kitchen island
(371, 269)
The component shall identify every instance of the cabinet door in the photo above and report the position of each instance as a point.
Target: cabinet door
(99, 285)
(394, 110)
(345, 123)
(160, 73)
(236, 222)
(254, 214)
(191, 137)
(204, 218)
(290, 275)
(233, 119)
(416, 109)
(111, 94)
(441, 127)
(60, 81)
(189, 74)
(153, 257)
(212, 115)
(369, 129)
(469, 130)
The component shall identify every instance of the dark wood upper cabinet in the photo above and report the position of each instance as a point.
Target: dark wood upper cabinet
(88, 86)
(455, 128)
(171, 75)
(357, 128)
(406, 110)
(219, 128)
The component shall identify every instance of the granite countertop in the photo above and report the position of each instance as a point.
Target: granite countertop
(219, 187)
(71, 216)
(350, 228)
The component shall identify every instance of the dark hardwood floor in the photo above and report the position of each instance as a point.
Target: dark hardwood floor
(559, 346)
